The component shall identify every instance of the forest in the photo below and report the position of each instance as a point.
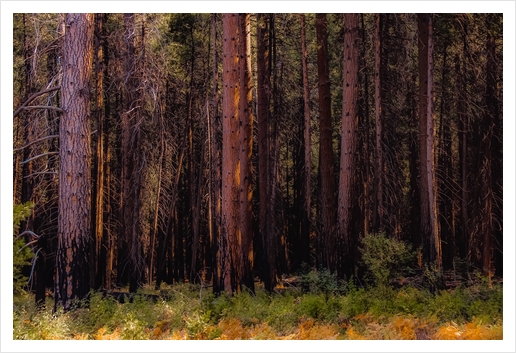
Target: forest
(237, 156)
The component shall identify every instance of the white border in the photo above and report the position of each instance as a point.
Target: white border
(10, 7)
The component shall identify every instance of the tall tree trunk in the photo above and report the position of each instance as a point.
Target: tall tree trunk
(326, 168)
(154, 229)
(348, 145)
(245, 150)
(463, 124)
(131, 163)
(230, 246)
(307, 170)
(487, 229)
(98, 170)
(429, 226)
(215, 164)
(74, 168)
(263, 112)
(193, 181)
(379, 209)
(365, 143)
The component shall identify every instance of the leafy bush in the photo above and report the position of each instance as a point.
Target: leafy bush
(385, 257)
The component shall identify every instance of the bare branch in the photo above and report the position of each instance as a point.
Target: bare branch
(39, 173)
(27, 232)
(39, 155)
(34, 96)
(36, 141)
(33, 107)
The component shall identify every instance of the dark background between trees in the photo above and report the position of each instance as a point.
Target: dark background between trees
(160, 148)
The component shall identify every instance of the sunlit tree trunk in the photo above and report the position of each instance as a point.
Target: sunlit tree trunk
(98, 169)
(429, 226)
(245, 150)
(231, 237)
(72, 276)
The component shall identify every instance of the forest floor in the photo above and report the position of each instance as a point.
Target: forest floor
(186, 311)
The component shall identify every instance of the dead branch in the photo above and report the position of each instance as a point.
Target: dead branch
(33, 107)
(34, 96)
(39, 155)
(35, 141)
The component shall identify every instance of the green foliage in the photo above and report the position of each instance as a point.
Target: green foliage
(20, 213)
(22, 254)
(320, 282)
(385, 257)
(196, 324)
(370, 313)
(101, 312)
(433, 276)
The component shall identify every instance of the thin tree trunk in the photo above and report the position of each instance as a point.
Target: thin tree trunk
(263, 112)
(429, 226)
(378, 112)
(307, 171)
(245, 151)
(348, 144)
(326, 168)
(98, 171)
(487, 229)
(154, 229)
(131, 181)
(215, 180)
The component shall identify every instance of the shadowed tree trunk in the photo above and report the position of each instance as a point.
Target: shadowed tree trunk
(306, 146)
(486, 178)
(378, 212)
(215, 165)
(348, 146)
(131, 165)
(326, 168)
(263, 113)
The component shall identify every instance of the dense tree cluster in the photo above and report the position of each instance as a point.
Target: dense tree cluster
(225, 148)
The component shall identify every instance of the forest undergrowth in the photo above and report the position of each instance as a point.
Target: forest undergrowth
(320, 310)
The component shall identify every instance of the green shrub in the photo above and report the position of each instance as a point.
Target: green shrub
(385, 257)
(281, 313)
(320, 282)
(102, 311)
(22, 254)
(450, 306)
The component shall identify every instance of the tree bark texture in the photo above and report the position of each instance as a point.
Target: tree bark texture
(326, 168)
(348, 144)
(74, 162)
(307, 171)
(429, 226)
(131, 165)
(263, 117)
(232, 256)
(378, 114)
(246, 149)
